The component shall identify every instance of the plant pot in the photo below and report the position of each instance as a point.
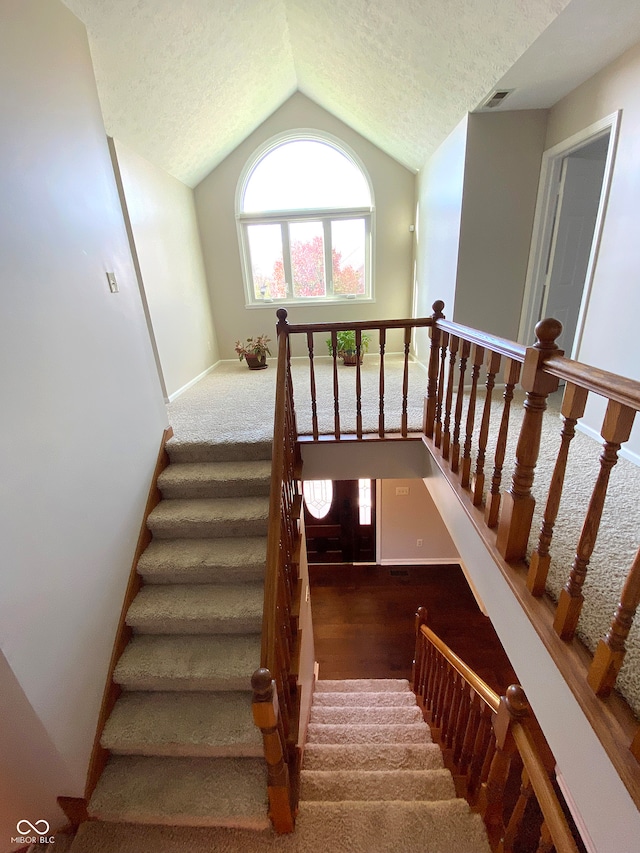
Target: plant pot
(256, 362)
(351, 357)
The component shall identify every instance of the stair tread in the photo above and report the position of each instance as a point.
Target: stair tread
(222, 451)
(183, 791)
(357, 685)
(387, 698)
(411, 733)
(367, 756)
(197, 662)
(199, 560)
(355, 784)
(350, 715)
(183, 724)
(197, 608)
(202, 517)
(215, 479)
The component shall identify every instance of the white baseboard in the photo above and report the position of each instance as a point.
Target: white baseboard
(629, 455)
(421, 561)
(184, 388)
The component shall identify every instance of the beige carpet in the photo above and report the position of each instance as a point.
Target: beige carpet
(233, 401)
(371, 795)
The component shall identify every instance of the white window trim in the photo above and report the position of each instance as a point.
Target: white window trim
(323, 214)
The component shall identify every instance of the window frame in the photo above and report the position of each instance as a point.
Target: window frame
(287, 217)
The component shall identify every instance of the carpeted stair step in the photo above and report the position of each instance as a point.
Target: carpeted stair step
(365, 698)
(322, 733)
(222, 662)
(183, 724)
(351, 715)
(197, 609)
(205, 451)
(339, 785)
(216, 479)
(183, 791)
(236, 560)
(369, 827)
(368, 756)
(209, 517)
(358, 685)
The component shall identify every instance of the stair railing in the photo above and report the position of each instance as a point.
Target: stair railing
(276, 699)
(485, 738)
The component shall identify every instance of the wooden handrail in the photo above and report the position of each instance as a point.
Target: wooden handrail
(483, 759)
(363, 326)
(621, 389)
(502, 346)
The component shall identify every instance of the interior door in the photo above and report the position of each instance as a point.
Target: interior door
(345, 533)
(578, 200)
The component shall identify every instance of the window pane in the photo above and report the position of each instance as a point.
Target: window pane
(305, 174)
(267, 268)
(364, 501)
(318, 496)
(348, 241)
(307, 258)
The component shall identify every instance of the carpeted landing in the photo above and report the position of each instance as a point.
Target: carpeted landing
(372, 782)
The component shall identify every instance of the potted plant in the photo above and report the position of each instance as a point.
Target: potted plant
(346, 342)
(254, 351)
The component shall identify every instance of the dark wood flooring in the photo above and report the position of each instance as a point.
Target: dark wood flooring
(364, 617)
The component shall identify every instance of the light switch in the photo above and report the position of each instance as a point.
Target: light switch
(402, 490)
(113, 284)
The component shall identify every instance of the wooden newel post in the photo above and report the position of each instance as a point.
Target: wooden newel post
(513, 707)
(282, 325)
(418, 658)
(431, 399)
(518, 503)
(265, 716)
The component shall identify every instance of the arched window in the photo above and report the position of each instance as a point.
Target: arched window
(305, 211)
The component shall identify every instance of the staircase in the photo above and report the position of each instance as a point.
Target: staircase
(184, 749)
(373, 780)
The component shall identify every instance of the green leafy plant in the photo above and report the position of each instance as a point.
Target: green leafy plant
(253, 346)
(346, 342)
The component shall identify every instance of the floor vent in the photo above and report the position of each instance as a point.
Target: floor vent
(399, 573)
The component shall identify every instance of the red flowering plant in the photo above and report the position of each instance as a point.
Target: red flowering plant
(254, 346)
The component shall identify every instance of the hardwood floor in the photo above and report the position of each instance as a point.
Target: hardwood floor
(363, 621)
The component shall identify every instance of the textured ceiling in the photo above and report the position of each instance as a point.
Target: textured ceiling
(183, 82)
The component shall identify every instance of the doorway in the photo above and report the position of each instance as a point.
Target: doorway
(339, 521)
(574, 184)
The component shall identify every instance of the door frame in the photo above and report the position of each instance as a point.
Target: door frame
(543, 224)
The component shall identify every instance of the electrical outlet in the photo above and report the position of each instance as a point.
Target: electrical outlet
(113, 284)
(402, 490)
(419, 543)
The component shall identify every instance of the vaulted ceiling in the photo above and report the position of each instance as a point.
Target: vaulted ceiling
(183, 82)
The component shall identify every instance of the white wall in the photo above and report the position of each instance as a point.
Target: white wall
(404, 519)
(393, 187)
(440, 187)
(160, 213)
(83, 410)
(611, 330)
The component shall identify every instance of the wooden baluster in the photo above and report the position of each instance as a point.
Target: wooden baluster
(444, 345)
(493, 365)
(518, 503)
(432, 382)
(513, 706)
(417, 671)
(454, 343)
(383, 341)
(454, 709)
(439, 689)
(573, 406)
(466, 753)
(431, 676)
(358, 383)
(447, 702)
(312, 381)
(635, 745)
(336, 402)
(611, 650)
(462, 367)
(484, 734)
(405, 381)
(265, 716)
(514, 827)
(478, 358)
(616, 429)
(545, 845)
(462, 722)
(492, 507)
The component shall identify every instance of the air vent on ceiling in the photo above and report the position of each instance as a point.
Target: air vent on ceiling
(495, 99)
